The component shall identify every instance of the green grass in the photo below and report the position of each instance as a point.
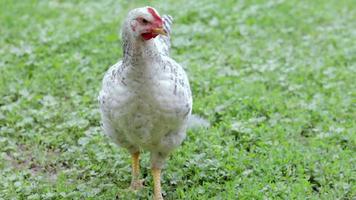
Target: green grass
(276, 80)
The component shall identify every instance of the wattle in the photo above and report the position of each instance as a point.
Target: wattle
(148, 36)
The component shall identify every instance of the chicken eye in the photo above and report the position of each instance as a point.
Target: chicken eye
(144, 21)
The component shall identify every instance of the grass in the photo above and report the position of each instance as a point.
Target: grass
(276, 80)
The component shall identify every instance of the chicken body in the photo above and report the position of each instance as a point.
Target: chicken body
(146, 105)
(145, 100)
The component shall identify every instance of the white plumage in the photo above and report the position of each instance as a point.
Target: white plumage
(145, 100)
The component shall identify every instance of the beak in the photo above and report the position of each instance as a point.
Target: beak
(159, 31)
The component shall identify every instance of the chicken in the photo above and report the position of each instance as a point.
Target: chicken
(145, 100)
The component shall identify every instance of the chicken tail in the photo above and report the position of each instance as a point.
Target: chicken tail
(167, 23)
(166, 39)
(195, 122)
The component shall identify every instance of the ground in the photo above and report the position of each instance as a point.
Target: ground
(276, 80)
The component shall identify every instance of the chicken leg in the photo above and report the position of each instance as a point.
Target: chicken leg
(136, 183)
(156, 173)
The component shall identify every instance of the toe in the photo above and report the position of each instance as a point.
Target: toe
(137, 184)
(158, 197)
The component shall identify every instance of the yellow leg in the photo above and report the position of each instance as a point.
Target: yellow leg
(136, 183)
(156, 173)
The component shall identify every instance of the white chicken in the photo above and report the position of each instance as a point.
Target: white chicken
(145, 100)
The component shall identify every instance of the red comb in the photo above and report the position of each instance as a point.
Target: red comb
(155, 15)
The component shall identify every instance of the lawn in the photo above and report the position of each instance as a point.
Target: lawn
(275, 79)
